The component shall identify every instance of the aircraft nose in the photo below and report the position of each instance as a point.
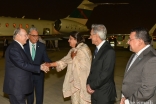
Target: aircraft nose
(57, 25)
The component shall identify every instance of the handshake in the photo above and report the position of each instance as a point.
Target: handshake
(45, 66)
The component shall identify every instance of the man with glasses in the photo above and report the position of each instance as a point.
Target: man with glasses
(18, 69)
(36, 51)
(139, 83)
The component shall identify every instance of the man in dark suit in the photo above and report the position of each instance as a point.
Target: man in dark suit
(38, 58)
(139, 83)
(18, 70)
(5, 45)
(100, 82)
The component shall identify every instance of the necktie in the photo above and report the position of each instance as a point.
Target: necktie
(33, 52)
(134, 58)
(96, 51)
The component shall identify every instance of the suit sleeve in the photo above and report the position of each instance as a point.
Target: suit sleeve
(106, 70)
(147, 89)
(17, 58)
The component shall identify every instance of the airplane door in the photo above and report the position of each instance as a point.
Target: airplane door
(46, 31)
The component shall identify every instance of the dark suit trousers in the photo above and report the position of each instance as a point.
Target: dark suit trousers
(17, 99)
(38, 86)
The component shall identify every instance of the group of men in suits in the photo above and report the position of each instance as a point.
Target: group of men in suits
(24, 67)
(139, 83)
(23, 72)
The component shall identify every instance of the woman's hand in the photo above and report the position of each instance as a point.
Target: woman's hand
(53, 64)
(73, 54)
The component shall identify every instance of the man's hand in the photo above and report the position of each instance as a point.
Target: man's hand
(89, 90)
(73, 54)
(44, 68)
(122, 100)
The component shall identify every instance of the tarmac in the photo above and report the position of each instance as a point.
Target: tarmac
(54, 80)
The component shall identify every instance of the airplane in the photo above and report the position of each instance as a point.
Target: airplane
(52, 30)
(74, 22)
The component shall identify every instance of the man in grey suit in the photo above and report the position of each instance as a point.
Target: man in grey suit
(139, 83)
(100, 82)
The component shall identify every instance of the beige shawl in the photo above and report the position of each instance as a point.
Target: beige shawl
(78, 70)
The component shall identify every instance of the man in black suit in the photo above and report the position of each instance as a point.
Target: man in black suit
(38, 58)
(18, 71)
(100, 82)
(5, 45)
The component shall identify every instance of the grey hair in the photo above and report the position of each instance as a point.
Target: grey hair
(16, 31)
(100, 30)
(31, 29)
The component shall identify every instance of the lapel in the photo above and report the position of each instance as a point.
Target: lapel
(138, 59)
(129, 61)
(21, 49)
(100, 52)
(27, 49)
(37, 50)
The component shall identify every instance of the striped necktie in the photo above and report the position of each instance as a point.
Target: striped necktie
(33, 51)
(96, 51)
(134, 58)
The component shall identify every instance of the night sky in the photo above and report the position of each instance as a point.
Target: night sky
(116, 18)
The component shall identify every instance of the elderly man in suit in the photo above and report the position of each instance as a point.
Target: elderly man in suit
(100, 82)
(139, 83)
(18, 69)
(36, 52)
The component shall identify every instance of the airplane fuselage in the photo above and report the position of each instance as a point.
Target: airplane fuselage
(45, 27)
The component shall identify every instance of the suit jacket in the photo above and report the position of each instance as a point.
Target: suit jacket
(139, 83)
(40, 57)
(101, 77)
(18, 71)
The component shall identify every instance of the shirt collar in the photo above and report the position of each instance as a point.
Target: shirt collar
(99, 46)
(20, 44)
(31, 43)
(138, 53)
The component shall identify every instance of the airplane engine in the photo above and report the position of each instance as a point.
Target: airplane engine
(66, 26)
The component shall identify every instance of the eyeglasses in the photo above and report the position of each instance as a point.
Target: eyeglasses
(35, 36)
(131, 39)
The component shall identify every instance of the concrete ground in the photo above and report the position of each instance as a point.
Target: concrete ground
(54, 80)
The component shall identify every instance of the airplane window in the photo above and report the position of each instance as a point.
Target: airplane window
(27, 26)
(20, 25)
(7, 25)
(14, 25)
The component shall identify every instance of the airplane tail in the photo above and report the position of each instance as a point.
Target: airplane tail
(82, 12)
(152, 32)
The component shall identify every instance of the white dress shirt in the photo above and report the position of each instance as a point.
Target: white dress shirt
(30, 46)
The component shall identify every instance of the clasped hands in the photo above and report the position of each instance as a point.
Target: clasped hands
(44, 68)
